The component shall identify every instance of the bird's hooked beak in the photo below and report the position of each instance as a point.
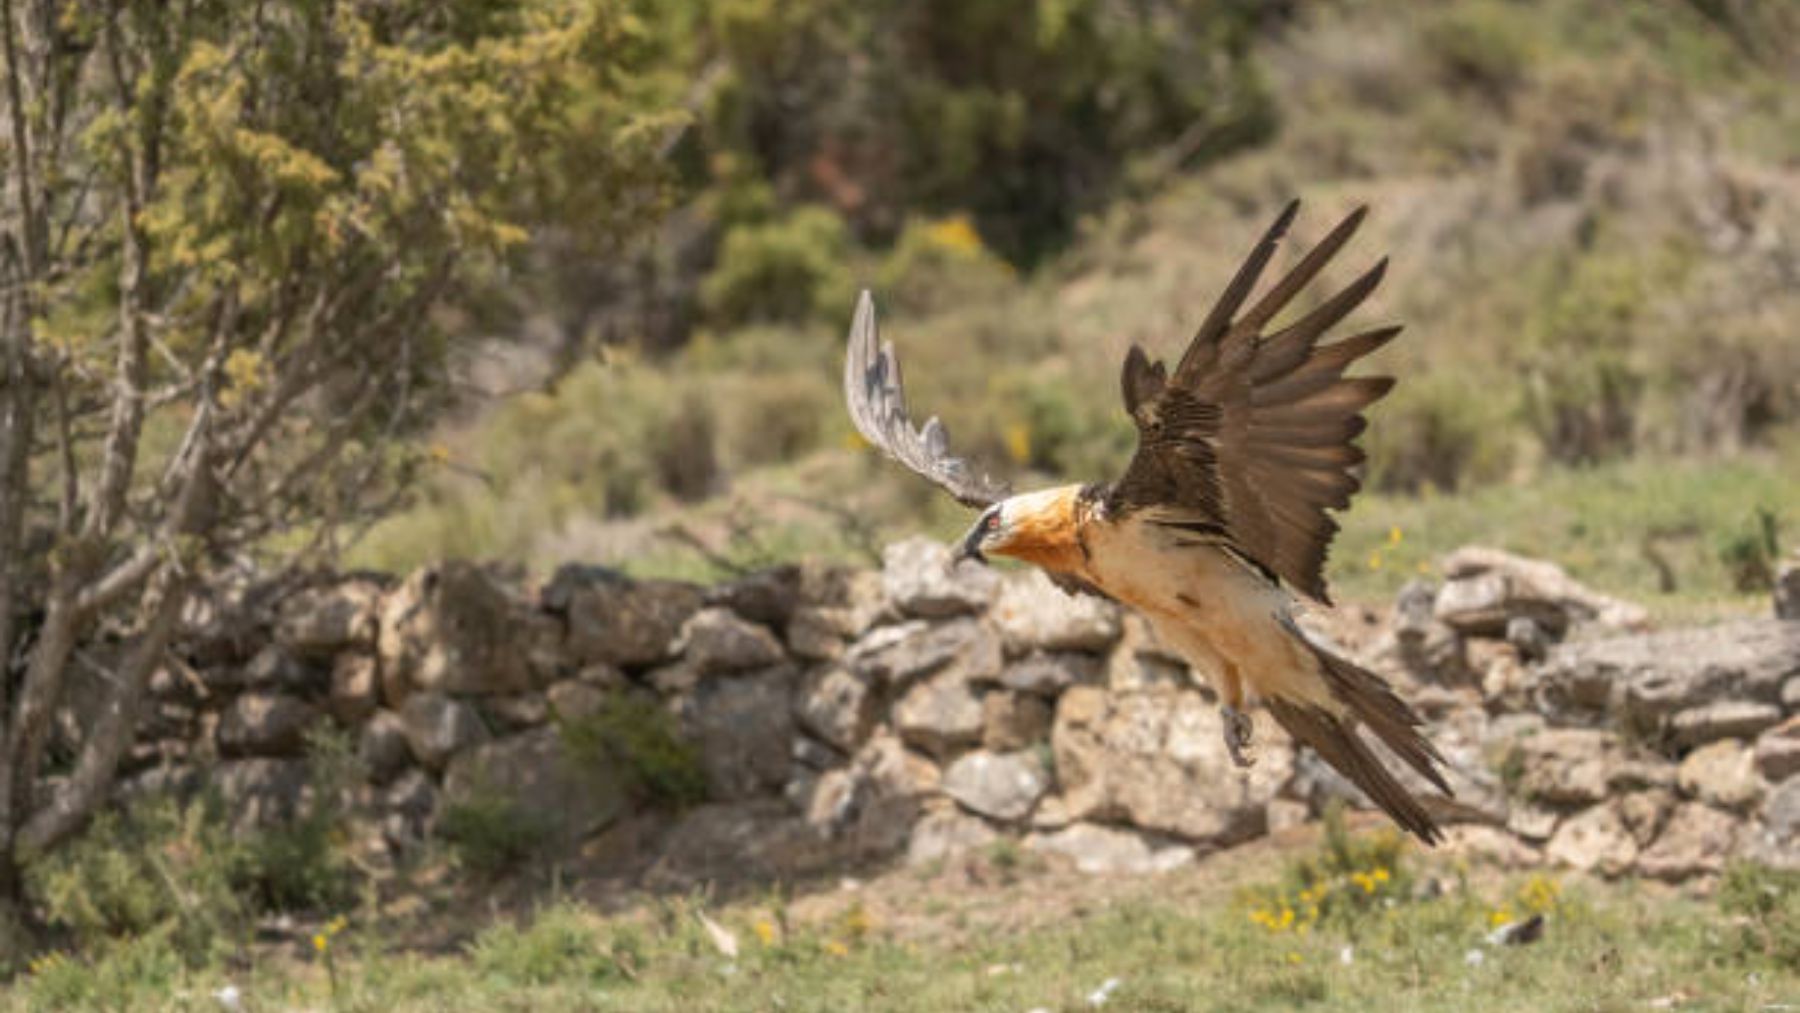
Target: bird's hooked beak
(970, 546)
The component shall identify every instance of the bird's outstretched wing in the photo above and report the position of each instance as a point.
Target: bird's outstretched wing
(1250, 440)
(877, 401)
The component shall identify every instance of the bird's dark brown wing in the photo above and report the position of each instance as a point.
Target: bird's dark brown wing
(877, 400)
(1251, 437)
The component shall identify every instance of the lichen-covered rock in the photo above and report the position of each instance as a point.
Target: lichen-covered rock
(1102, 850)
(1533, 585)
(768, 596)
(619, 621)
(1047, 674)
(1722, 774)
(1565, 766)
(716, 640)
(1034, 614)
(1594, 840)
(898, 654)
(320, 621)
(1158, 760)
(1778, 751)
(450, 629)
(438, 727)
(274, 667)
(355, 688)
(1013, 721)
(836, 705)
(1781, 822)
(743, 726)
(946, 833)
(918, 578)
(515, 712)
(381, 746)
(573, 699)
(1002, 786)
(1481, 604)
(265, 724)
(1645, 813)
(570, 798)
(1646, 678)
(1722, 719)
(1787, 590)
(1697, 841)
(940, 714)
(261, 791)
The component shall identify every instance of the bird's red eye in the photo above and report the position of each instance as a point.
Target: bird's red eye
(993, 521)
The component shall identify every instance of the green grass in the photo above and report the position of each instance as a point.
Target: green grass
(1596, 522)
(1606, 947)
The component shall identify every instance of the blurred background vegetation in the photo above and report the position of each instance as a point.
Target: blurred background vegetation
(1593, 212)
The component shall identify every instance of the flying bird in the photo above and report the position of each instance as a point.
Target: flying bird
(1222, 517)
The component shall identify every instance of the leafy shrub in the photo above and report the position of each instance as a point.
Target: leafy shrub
(490, 833)
(938, 262)
(637, 735)
(1483, 46)
(1437, 431)
(789, 270)
(163, 867)
(1750, 551)
(304, 865)
(134, 972)
(563, 943)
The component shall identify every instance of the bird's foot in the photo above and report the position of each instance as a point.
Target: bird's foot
(1237, 735)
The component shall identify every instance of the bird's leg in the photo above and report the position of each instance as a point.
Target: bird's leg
(1237, 723)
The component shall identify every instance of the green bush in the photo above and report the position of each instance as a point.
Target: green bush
(789, 270)
(491, 834)
(636, 734)
(940, 262)
(163, 867)
(304, 865)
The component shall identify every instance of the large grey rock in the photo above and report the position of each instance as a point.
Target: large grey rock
(623, 622)
(1482, 605)
(1157, 759)
(1034, 614)
(515, 712)
(946, 833)
(320, 621)
(533, 771)
(836, 705)
(918, 579)
(875, 801)
(1722, 774)
(409, 803)
(573, 699)
(1046, 674)
(1013, 721)
(1101, 850)
(940, 714)
(381, 746)
(1648, 678)
(1722, 719)
(1534, 586)
(1645, 813)
(438, 727)
(1697, 840)
(743, 726)
(1003, 786)
(1594, 840)
(898, 654)
(715, 640)
(265, 724)
(1778, 751)
(451, 629)
(274, 667)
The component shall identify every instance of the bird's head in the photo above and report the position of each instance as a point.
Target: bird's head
(1024, 527)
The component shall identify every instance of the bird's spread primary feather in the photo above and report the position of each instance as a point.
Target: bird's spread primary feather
(1244, 449)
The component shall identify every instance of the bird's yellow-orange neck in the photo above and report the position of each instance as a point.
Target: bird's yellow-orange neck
(1044, 529)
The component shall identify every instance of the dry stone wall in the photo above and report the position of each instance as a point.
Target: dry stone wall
(918, 710)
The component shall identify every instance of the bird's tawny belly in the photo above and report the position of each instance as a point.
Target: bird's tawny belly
(1227, 620)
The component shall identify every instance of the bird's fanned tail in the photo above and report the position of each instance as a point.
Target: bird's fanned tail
(1371, 702)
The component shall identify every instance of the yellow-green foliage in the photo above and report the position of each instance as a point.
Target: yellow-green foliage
(163, 870)
(791, 270)
(1764, 903)
(563, 944)
(490, 833)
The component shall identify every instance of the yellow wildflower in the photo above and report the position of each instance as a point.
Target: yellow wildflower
(956, 234)
(1293, 957)
(1375, 560)
(321, 941)
(1501, 916)
(765, 931)
(1394, 535)
(837, 949)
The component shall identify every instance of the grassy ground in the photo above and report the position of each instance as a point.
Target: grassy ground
(1000, 930)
